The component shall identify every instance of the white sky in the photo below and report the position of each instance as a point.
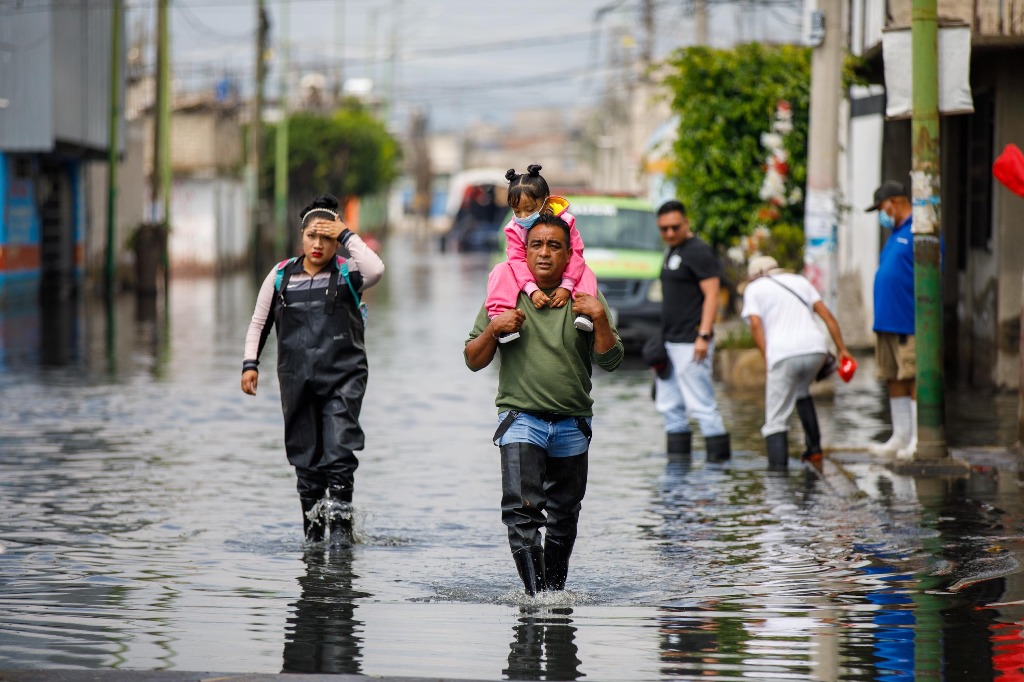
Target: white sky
(461, 60)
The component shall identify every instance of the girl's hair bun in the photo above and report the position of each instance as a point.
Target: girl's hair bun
(533, 169)
(511, 174)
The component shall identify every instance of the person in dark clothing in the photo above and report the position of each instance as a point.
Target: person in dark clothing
(544, 407)
(690, 283)
(313, 302)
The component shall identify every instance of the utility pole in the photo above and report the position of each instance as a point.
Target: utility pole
(396, 14)
(281, 146)
(256, 130)
(112, 155)
(700, 22)
(339, 49)
(647, 46)
(821, 207)
(925, 182)
(162, 129)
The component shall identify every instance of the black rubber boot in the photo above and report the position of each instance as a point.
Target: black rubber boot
(680, 443)
(530, 564)
(339, 517)
(777, 445)
(812, 435)
(523, 467)
(312, 528)
(565, 487)
(556, 561)
(718, 447)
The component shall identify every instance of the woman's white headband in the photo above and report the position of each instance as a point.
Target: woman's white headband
(318, 210)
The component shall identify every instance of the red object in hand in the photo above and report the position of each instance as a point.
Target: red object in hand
(846, 369)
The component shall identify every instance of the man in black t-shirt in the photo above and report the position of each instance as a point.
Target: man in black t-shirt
(689, 283)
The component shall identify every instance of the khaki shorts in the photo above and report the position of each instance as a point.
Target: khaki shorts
(895, 358)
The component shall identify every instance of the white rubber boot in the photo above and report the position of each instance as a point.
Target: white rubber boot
(900, 409)
(910, 449)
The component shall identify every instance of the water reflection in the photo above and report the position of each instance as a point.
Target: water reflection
(544, 647)
(123, 482)
(322, 634)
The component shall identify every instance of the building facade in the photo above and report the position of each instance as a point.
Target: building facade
(982, 222)
(54, 118)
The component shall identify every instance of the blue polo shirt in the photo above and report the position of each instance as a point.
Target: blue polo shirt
(894, 283)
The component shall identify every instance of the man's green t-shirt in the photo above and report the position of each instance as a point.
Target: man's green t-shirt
(548, 368)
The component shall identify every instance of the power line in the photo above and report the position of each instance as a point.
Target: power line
(197, 24)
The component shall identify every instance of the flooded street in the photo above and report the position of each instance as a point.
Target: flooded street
(150, 520)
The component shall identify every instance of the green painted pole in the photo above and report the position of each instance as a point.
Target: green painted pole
(925, 180)
(281, 144)
(256, 138)
(162, 170)
(112, 160)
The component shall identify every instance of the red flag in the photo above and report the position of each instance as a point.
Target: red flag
(1009, 169)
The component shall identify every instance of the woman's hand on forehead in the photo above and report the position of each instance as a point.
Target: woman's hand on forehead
(326, 228)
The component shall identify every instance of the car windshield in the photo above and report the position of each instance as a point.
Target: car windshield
(605, 226)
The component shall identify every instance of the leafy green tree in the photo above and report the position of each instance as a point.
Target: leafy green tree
(347, 153)
(725, 100)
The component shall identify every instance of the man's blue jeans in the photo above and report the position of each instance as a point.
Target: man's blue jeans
(559, 439)
(688, 392)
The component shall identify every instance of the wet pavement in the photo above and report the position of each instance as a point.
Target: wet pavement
(150, 520)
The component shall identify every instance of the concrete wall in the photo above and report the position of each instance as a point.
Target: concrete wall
(131, 206)
(859, 241)
(210, 226)
(205, 141)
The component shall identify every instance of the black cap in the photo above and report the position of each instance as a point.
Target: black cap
(887, 190)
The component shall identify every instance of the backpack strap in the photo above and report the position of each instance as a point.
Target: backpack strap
(363, 313)
(280, 272)
(284, 273)
(343, 267)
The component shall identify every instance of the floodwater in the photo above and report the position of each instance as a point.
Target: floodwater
(149, 519)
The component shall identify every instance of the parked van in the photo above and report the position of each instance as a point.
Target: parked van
(623, 247)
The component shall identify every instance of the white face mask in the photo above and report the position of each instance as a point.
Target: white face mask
(527, 222)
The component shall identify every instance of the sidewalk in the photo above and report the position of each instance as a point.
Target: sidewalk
(850, 472)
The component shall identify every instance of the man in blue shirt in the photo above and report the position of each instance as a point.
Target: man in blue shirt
(894, 318)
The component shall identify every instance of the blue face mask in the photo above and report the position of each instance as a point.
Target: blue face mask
(527, 222)
(886, 220)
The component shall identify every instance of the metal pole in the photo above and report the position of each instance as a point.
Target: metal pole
(112, 155)
(925, 181)
(281, 147)
(163, 171)
(256, 132)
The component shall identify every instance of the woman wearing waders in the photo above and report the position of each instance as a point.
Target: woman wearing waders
(313, 302)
